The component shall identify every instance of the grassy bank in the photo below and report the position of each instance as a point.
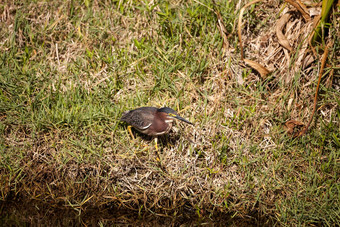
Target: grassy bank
(69, 69)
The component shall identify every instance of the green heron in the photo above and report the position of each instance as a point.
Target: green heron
(151, 120)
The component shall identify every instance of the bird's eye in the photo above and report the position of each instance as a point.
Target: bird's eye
(172, 115)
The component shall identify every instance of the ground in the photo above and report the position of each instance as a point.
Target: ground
(69, 69)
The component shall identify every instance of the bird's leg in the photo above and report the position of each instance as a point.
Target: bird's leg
(157, 153)
(130, 132)
(167, 137)
(156, 140)
(158, 158)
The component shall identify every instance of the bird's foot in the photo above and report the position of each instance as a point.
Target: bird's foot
(130, 132)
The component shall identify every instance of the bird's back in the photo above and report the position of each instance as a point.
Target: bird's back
(139, 118)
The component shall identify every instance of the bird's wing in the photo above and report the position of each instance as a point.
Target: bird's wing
(144, 119)
(139, 118)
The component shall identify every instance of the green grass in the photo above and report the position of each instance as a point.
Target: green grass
(69, 69)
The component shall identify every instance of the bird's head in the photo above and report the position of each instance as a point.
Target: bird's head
(170, 114)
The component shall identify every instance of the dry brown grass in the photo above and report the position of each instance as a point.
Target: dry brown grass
(62, 142)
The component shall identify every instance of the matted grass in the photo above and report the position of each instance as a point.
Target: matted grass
(69, 69)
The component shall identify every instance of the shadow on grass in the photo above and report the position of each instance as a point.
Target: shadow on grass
(165, 140)
(30, 212)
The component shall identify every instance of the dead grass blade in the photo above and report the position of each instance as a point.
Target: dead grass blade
(221, 27)
(279, 27)
(259, 68)
(240, 24)
(323, 62)
(301, 8)
(316, 21)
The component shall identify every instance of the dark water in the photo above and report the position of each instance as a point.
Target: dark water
(41, 214)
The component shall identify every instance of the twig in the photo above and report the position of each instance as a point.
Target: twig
(323, 62)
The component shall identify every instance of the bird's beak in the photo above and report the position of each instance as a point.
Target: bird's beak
(182, 119)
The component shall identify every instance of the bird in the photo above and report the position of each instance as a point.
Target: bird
(151, 121)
